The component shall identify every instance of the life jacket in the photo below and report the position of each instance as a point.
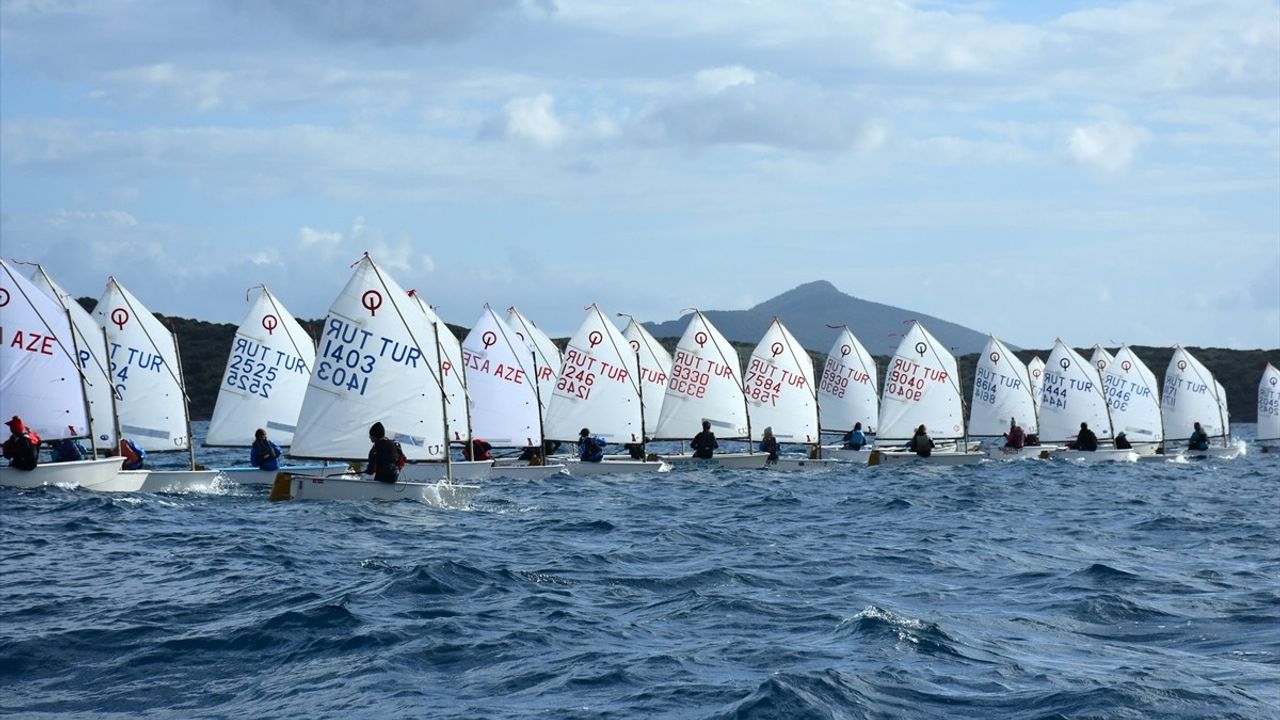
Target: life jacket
(591, 448)
(133, 455)
(386, 469)
(23, 450)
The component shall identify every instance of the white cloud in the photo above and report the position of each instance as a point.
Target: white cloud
(310, 238)
(714, 80)
(1109, 145)
(534, 120)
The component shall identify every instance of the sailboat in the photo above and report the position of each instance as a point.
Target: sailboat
(848, 394)
(922, 387)
(1072, 394)
(1035, 369)
(1191, 395)
(706, 384)
(262, 387)
(655, 369)
(546, 356)
(1134, 400)
(40, 382)
(781, 395)
(1002, 392)
(152, 405)
(376, 363)
(457, 411)
(91, 344)
(506, 408)
(599, 388)
(1269, 409)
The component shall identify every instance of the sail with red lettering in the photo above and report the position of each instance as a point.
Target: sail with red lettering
(655, 369)
(375, 363)
(848, 392)
(1001, 392)
(546, 355)
(152, 403)
(449, 359)
(1192, 395)
(1269, 406)
(780, 390)
(39, 375)
(500, 384)
(705, 384)
(1134, 398)
(921, 387)
(1072, 394)
(598, 386)
(1035, 369)
(265, 379)
(91, 348)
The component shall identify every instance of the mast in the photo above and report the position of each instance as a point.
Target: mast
(115, 408)
(444, 403)
(186, 411)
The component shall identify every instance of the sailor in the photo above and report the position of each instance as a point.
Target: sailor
(854, 439)
(1085, 439)
(590, 447)
(477, 450)
(1198, 440)
(921, 443)
(22, 449)
(385, 457)
(264, 454)
(769, 444)
(704, 443)
(1122, 442)
(1016, 438)
(134, 456)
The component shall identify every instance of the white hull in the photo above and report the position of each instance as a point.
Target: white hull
(1096, 456)
(124, 481)
(897, 457)
(736, 461)
(351, 487)
(522, 471)
(838, 452)
(1214, 453)
(254, 476)
(90, 474)
(794, 464)
(1031, 452)
(615, 467)
(429, 472)
(176, 481)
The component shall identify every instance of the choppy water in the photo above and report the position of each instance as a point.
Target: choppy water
(1014, 590)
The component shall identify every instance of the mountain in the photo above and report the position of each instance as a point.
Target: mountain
(808, 310)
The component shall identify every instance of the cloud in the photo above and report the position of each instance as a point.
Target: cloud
(311, 239)
(1108, 145)
(390, 22)
(735, 106)
(528, 119)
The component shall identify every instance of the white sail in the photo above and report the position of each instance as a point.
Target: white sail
(546, 354)
(921, 387)
(655, 369)
(451, 371)
(91, 348)
(848, 392)
(39, 374)
(1001, 392)
(598, 386)
(1222, 408)
(780, 389)
(503, 395)
(374, 363)
(1072, 394)
(266, 377)
(705, 384)
(1191, 396)
(1269, 404)
(1101, 359)
(152, 406)
(1133, 396)
(1035, 369)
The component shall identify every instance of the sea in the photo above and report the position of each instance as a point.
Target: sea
(1029, 589)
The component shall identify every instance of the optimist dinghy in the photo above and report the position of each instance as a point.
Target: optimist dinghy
(1269, 409)
(1072, 393)
(848, 394)
(1192, 395)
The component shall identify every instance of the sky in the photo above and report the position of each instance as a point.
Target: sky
(1103, 172)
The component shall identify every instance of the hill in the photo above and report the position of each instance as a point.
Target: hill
(807, 311)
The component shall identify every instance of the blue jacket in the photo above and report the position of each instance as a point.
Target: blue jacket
(591, 448)
(855, 440)
(264, 455)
